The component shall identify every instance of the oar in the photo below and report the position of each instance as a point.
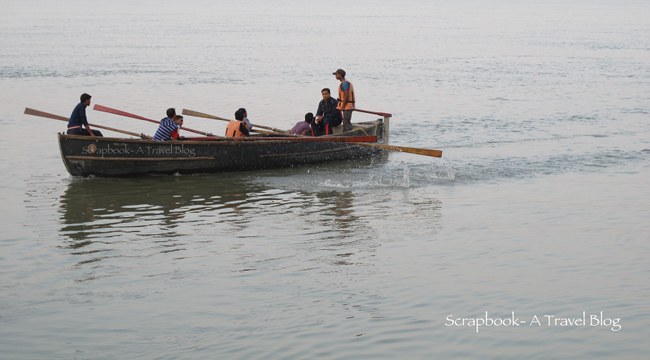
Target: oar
(208, 116)
(406, 149)
(33, 112)
(373, 112)
(271, 132)
(124, 113)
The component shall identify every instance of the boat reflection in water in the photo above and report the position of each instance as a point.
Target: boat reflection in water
(104, 214)
(101, 208)
(108, 207)
(245, 217)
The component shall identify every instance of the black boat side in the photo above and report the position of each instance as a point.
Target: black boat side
(107, 156)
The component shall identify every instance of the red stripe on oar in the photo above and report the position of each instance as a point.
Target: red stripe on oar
(120, 112)
(124, 113)
(33, 112)
(350, 139)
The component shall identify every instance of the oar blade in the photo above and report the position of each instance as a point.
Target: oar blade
(208, 116)
(126, 114)
(410, 150)
(200, 114)
(120, 112)
(420, 151)
(34, 112)
(44, 114)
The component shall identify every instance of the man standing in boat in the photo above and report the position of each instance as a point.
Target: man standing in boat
(78, 123)
(346, 99)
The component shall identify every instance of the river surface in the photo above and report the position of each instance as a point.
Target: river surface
(528, 239)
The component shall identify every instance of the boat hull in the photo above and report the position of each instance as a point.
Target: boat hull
(104, 156)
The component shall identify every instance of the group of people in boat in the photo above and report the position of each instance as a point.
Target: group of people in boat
(330, 114)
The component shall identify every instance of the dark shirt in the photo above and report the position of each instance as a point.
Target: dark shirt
(317, 129)
(244, 129)
(331, 116)
(327, 108)
(78, 116)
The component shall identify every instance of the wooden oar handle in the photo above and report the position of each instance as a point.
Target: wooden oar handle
(33, 112)
(203, 115)
(121, 131)
(124, 113)
(208, 116)
(406, 149)
(373, 112)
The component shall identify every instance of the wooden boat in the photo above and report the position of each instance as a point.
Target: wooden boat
(110, 156)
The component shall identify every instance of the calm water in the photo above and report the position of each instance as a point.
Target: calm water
(539, 207)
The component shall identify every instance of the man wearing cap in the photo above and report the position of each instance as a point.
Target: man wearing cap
(346, 99)
(78, 119)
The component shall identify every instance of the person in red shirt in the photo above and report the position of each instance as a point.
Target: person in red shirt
(178, 120)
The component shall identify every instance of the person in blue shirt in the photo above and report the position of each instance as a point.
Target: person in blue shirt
(78, 123)
(168, 126)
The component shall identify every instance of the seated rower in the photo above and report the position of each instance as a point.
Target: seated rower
(237, 128)
(303, 127)
(78, 123)
(168, 129)
(247, 122)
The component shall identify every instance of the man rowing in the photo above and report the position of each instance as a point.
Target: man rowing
(169, 126)
(78, 122)
(237, 128)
